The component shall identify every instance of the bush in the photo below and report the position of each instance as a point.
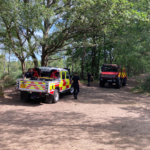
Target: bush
(144, 85)
(3, 75)
(9, 80)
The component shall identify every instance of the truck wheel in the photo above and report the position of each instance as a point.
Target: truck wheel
(56, 96)
(118, 84)
(102, 84)
(71, 90)
(24, 96)
(124, 82)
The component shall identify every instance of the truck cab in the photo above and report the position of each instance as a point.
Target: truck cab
(112, 73)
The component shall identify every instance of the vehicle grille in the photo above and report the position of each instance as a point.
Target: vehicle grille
(108, 76)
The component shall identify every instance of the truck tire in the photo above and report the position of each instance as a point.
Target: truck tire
(124, 82)
(24, 96)
(56, 96)
(101, 84)
(71, 90)
(118, 84)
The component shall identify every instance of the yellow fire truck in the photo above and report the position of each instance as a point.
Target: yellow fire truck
(45, 86)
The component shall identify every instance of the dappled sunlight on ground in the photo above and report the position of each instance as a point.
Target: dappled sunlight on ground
(100, 119)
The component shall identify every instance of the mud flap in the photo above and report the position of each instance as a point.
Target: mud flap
(49, 99)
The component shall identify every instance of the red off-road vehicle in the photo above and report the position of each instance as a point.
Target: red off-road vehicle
(112, 73)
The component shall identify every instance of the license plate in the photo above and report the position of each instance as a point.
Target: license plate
(23, 86)
(109, 80)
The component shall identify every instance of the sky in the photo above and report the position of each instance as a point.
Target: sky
(13, 57)
(38, 33)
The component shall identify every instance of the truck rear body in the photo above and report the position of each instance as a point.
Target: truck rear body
(34, 86)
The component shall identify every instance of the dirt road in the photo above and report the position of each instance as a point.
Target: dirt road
(101, 119)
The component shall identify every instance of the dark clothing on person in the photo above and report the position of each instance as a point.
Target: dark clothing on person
(28, 75)
(75, 79)
(89, 78)
(76, 85)
(76, 90)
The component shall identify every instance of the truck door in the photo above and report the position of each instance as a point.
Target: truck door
(63, 77)
(67, 80)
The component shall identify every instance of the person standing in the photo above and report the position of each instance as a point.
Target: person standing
(89, 76)
(28, 74)
(76, 84)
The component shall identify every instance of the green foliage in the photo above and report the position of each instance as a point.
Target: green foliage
(143, 85)
(9, 80)
(93, 32)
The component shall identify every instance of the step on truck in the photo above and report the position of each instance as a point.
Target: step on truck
(112, 73)
(48, 86)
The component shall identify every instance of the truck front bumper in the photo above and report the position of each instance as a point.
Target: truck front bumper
(108, 80)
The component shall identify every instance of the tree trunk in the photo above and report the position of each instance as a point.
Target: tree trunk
(35, 61)
(72, 64)
(128, 69)
(82, 67)
(4, 63)
(110, 57)
(104, 51)
(9, 62)
(23, 66)
(44, 57)
(87, 67)
(1, 90)
(44, 61)
(82, 63)
(93, 58)
(97, 75)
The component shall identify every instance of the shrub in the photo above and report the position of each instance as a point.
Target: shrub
(9, 80)
(144, 85)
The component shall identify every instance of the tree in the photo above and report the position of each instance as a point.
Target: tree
(17, 28)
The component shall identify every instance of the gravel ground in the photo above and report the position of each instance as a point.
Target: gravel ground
(100, 119)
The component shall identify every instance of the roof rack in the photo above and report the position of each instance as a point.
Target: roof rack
(50, 68)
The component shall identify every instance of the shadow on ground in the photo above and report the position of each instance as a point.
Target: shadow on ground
(56, 128)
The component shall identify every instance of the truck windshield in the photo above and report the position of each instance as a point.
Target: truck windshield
(110, 68)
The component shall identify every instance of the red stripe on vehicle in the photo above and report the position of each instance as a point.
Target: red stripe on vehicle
(51, 92)
(64, 82)
(56, 84)
(40, 82)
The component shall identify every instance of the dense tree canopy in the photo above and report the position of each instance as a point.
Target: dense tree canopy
(88, 32)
